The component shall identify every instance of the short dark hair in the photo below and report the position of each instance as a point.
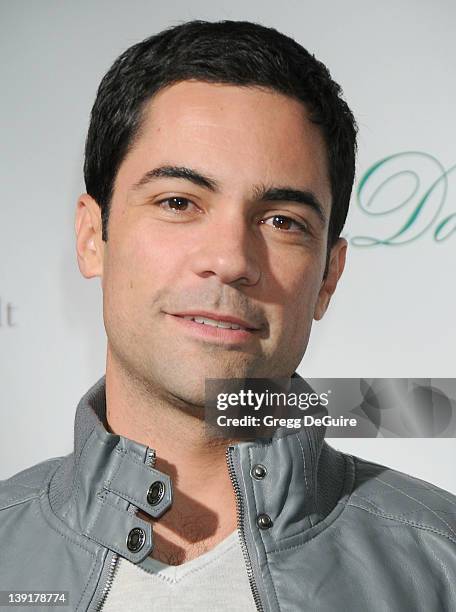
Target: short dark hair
(232, 52)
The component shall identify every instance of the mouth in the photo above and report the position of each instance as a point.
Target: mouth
(215, 326)
(218, 320)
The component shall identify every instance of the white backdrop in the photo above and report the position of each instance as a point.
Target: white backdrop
(394, 311)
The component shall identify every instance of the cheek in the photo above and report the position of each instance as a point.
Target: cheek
(299, 283)
(303, 308)
(144, 257)
(297, 277)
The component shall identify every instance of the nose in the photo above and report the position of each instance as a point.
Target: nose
(227, 249)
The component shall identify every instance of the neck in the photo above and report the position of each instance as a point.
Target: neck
(203, 511)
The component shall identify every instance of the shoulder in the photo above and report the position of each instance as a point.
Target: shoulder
(396, 496)
(28, 483)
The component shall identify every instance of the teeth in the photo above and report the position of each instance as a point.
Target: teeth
(214, 322)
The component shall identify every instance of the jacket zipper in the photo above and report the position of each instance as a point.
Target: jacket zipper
(240, 521)
(112, 568)
(150, 457)
(150, 461)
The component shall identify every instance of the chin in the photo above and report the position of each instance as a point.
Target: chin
(189, 385)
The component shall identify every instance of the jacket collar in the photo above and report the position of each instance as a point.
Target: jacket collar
(97, 488)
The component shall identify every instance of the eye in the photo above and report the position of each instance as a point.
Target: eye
(176, 204)
(283, 222)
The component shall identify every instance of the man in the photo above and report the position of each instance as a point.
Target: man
(219, 166)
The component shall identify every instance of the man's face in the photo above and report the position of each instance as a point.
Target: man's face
(205, 221)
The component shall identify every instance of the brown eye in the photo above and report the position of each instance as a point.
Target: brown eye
(282, 222)
(176, 204)
(285, 223)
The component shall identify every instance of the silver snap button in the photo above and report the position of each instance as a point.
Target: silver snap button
(136, 539)
(156, 493)
(258, 471)
(264, 521)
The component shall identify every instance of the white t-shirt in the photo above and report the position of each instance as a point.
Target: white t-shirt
(213, 582)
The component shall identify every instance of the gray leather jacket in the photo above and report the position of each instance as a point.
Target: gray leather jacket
(343, 534)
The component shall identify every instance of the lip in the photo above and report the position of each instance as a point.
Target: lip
(217, 316)
(218, 335)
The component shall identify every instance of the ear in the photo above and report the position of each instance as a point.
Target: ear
(335, 268)
(89, 244)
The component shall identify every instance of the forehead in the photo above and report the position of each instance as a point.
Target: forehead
(237, 134)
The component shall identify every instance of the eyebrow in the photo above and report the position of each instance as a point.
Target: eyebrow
(179, 172)
(261, 193)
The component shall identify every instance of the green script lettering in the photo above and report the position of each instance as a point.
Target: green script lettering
(438, 188)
